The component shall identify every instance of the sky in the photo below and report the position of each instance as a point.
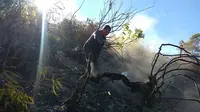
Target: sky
(167, 22)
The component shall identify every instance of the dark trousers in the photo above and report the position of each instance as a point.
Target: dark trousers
(93, 60)
(94, 54)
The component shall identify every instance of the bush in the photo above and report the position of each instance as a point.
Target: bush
(12, 96)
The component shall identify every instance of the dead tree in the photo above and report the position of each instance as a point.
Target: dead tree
(153, 90)
(113, 15)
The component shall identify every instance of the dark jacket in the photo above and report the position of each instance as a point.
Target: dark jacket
(95, 43)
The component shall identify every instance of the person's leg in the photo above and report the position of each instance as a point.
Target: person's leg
(86, 52)
(94, 65)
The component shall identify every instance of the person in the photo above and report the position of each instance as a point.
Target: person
(93, 48)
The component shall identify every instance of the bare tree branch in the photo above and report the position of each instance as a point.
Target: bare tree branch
(183, 99)
(77, 9)
(196, 85)
(118, 17)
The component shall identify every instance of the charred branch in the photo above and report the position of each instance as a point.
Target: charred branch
(182, 99)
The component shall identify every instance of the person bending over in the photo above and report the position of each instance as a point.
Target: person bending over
(93, 48)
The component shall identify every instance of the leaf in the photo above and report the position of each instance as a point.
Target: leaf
(26, 107)
(43, 73)
(58, 83)
(13, 96)
(6, 104)
(2, 92)
(53, 89)
(56, 86)
(123, 38)
(60, 79)
(31, 101)
(57, 38)
(34, 13)
(133, 35)
(15, 75)
(18, 99)
(12, 93)
(18, 87)
(1, 76)
(14, 82)
(9, 79)
(23, 105)
(129, 31)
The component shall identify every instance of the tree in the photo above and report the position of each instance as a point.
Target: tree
(118, 16)
(192, 45)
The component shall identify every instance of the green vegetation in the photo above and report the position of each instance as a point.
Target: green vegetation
(56, 84)
(193, 44)
(12, 96)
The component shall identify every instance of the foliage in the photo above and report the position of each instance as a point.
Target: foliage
(19, 37)
(193, 44)
(126, 38)
(11, 93)
(29, 13)
(14, 54)
(56, 84)
(75, 33)
(129, 36)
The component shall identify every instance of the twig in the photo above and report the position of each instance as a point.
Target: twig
(77, 9)
(197, 87)
(184, 69)
(183, 99)
(154, 61)
(158, 54)
(171, 62)
(163, 68)
(88, 75)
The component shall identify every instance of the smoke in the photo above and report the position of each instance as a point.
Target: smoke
(136, 66)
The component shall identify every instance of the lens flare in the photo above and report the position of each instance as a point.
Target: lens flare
(44, 5)
(41, 56)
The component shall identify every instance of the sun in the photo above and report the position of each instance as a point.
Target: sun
(44, 5)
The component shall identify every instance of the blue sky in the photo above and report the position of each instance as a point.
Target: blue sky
(168, 21)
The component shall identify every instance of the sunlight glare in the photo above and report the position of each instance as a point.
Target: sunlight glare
(43, 41)
(44, 5)
(41, 58)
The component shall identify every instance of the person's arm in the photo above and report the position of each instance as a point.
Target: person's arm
(98, 37)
